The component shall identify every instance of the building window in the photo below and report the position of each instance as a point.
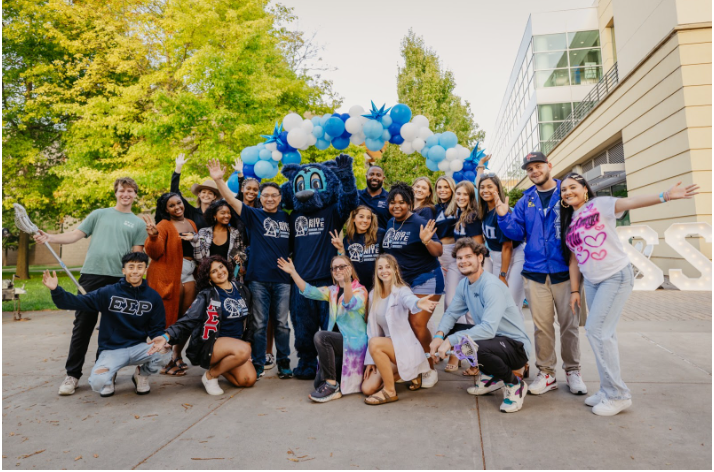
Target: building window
(550, 42)
(583, 39)
(554, 111)
(567, 59)
(551, 60)
(585, 75)
(552, 78)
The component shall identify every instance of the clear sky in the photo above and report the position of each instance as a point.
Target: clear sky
(476, 39)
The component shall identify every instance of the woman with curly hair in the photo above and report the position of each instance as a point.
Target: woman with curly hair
(171, 270)
(362, 243)
(218, 323)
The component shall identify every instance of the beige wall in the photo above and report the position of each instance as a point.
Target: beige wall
(72, 254)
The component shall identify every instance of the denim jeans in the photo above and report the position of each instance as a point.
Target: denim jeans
(270, 299)
(605, 303)
(115, 359)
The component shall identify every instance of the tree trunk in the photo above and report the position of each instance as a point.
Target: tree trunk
(23, 256)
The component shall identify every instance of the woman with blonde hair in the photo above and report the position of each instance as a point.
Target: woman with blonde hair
(362, 242)
(423, 198)
(393, 346)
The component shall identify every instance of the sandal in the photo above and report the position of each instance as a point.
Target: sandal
(173, 369)
(452, 367)
(416, 384)
(180, 364)
(385, 398)
(472, 372)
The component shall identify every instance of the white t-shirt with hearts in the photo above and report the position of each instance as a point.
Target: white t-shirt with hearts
(593, 239)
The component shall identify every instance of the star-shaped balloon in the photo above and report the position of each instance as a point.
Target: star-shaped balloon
(476, 154)
(377, 113)
(275, 137)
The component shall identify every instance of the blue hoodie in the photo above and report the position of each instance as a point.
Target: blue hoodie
(540, 229)
(129, 314)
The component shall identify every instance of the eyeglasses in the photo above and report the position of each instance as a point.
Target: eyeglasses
(339, 268)
(270, 196)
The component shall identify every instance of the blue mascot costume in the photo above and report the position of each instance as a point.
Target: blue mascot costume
(321, 197)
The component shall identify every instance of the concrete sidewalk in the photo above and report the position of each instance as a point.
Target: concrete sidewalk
(665, 343)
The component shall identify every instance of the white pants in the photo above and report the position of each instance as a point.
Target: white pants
(513, 277)
(452, 277)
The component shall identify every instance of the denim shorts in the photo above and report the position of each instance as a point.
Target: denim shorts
(430, 283)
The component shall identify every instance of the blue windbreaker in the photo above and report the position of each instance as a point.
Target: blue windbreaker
(540, 229)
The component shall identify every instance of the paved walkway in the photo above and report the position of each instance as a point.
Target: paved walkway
(666, 347)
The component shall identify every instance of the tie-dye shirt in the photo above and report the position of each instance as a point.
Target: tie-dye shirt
(350, 319)
(592, 237)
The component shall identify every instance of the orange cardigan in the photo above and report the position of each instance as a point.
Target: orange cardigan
(164, 273)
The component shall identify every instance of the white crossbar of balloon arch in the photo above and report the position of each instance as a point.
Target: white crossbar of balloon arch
(675, 237)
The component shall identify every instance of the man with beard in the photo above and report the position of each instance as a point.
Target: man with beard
(499, 331)
(375, 197)
(546, 277)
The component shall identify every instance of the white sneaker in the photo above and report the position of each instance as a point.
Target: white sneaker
(513, 396)
(485, 384)
(609, 407)
(141, 382)
(543, 383)
(575, 382)
(429, 379)
(593, 400)
(69, 385)
(212, 387)
(108, 390)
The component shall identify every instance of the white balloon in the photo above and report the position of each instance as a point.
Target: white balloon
(425, 133)
(407, 147)
(357, 139)
(451, 154)
(292, 121)
(271, 146)
(353, 125)
(311, 140)
(356, 110)
(363, 119)
(444, 165)
(409, 131)
(421, 121)
(464, 153)
(297, 137)
(450, 173)
(307, 125)
(418, 144)
(456, 165)
(277, 155)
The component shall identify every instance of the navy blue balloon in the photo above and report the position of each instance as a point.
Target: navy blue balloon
(248, 170)
(345, 116)
(394, 128)
(396, 139)
(469, 166)
(458, 176)
(282, 146)
(470, 176)
(340, 143)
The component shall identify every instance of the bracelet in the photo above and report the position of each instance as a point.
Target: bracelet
(666, 196)
(165, 336)
(575, 291)
(440, 336)
(427, 242)
(661, 198)
(340, 253)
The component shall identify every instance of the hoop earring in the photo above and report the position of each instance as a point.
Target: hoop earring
(563, 204)
(586, 197)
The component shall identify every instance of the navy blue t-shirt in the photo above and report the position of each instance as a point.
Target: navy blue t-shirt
(233, 313)
(364, 257)
(546, 196)
(426, 212)
(269, 235)
(492, 234)
(377, 204)
(402, 241)
(468, 230)
(312, 243)
(444, 223)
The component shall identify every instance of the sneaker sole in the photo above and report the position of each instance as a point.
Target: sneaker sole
(547, 389)
(65, 394)
(489, 390)
(136, 388)
(519, 406)
(578, 392)
(334, 396)
(613, 413)
(105, 395)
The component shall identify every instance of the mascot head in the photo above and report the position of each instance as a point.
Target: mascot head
(312, 187)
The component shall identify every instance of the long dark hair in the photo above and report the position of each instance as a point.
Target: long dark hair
(203, 279)
(161, 203)
(210, 214)
(482, 204)
(566, 213)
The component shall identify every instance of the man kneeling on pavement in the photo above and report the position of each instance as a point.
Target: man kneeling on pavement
(131, 313)
(498, 329)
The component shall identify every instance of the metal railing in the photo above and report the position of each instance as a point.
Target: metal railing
(603, 88)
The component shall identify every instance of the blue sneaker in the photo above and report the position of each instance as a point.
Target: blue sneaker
(284, 371)
(326, 392)
(259, 371)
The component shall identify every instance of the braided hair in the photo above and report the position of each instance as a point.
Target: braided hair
(404, 190)
(161, 211)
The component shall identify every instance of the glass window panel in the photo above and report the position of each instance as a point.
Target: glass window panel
(547, 130)
(552, 78)
(554, 111)
(551, 60)
(549, 42)
(585, 57)
(586, 75)
(584, 39)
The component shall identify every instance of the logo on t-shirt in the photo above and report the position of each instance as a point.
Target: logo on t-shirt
(235, 308)
(129, 224)
(360, 253)
(276, 229)
(489, 232)
(211, 323)
(128, 306)
(395, 239)
(309, 226)
(382, 204)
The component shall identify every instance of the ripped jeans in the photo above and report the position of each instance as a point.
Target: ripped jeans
(110, 361)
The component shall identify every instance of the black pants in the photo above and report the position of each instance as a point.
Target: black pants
(84, 323)
(329, 348)
(499, 356)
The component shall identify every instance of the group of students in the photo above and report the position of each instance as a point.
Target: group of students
(401, 252)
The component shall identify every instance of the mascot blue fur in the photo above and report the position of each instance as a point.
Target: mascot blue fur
(321, 197)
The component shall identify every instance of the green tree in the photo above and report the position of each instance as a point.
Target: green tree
(428, 90)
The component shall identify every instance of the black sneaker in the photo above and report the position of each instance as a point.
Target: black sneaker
(284, 371)
(326, 392)
(269, 361)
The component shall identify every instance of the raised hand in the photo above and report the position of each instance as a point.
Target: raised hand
(337, 241)
(286, 265)
(215, 169)
(484, 160)
(501, 206)
(180, 161)
(150, 225)
(427, 232)
(426, 304)
(238, 166)
(679, 193)
(50, 281)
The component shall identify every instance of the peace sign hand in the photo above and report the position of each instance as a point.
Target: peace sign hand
(501, 206)
(679, 193)
(427, 232)
(150, 226)
(337, 241)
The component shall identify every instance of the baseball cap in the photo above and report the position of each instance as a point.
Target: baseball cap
(533, 157)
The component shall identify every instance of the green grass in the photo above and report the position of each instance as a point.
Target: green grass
(38, 296)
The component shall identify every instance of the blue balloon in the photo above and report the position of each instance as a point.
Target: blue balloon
(374, 145)
(344, 116)
(340, 143)
(261, 146)
(396, 139)
(395, 128)
(437, 153)
(458, 176)
(250, 155)
(321, 144)
(346, 134)
(401, 113)
(432, 140)
(424, 151)
(432, 166)
(318, 132)
(334, 126)
(316, 120)
(248, 170)
(373, 129)
(263, 169)
(448, 140)
(265, 155)
(469, 166)
(282, 147)
(386, 136)
(291, 158)
(470, 176)
(387, 121)
(233, 182)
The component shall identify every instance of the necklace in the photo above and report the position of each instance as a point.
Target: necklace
(229, 292)
(400, 226)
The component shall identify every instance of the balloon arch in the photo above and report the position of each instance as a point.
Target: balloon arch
(373, 130)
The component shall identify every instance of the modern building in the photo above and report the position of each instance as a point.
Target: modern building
(643, 126)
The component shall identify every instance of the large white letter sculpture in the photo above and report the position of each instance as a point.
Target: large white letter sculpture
(653, 276)
(675, 237)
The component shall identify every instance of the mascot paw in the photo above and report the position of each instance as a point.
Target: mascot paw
(344, 161)
(305, 370)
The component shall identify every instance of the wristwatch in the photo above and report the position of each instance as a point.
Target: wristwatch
(502, 274)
